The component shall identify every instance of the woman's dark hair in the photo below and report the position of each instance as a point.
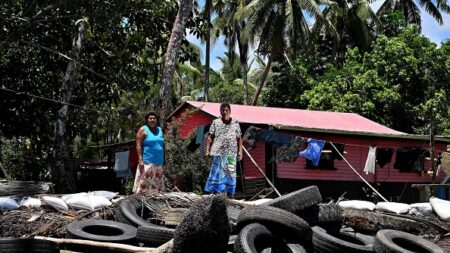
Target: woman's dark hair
(150, 114)
(225, 105)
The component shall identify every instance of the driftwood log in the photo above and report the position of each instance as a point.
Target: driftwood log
(23, 188)
(115, 247)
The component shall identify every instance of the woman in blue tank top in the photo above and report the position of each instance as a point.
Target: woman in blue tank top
(150, 151)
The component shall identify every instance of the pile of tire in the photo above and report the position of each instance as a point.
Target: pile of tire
(298, 222)
(153, 235)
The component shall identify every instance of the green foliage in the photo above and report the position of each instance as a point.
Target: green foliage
(286, 87)
(402, 83)
(119, 68)
(22, 160)
(183, 167)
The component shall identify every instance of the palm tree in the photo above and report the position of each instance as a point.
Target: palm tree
(207, 12)
(411, 10)
(354, 21)
(278, 25)
(164, 100)
(232, 27)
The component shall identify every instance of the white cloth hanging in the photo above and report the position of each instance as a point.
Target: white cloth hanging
(370, 162)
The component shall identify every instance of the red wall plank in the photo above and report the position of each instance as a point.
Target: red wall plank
(258, 154)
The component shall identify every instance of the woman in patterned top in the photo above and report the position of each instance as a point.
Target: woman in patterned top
(224, 144)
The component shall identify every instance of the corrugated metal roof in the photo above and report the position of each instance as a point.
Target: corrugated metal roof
(296, 118)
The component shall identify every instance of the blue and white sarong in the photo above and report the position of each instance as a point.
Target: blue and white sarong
(222, 176)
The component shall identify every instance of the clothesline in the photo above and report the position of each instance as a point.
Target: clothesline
(423, 146)
(359, 175)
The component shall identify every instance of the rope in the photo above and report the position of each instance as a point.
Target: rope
(364, 180)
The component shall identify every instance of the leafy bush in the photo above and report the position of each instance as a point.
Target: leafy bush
(185, 169)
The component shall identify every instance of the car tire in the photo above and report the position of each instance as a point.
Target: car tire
(297, 201)
(388, 240)
(102, 230)
(154, 236)
(341, 241)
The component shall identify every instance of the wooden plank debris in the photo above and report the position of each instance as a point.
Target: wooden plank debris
(23, 188)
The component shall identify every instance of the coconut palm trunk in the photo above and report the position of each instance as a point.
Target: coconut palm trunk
(165, 105)
(263, 80)
(62, 176)
(208, 49)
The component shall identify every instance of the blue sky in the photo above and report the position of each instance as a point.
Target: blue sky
(430, 29)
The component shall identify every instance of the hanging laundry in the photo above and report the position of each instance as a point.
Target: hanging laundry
(254, 134)
(370, 162)
(203, 145)
(313, 151)
(121, 165)
(199, 138)
(289, 152)
(384, 156)
(275, 138)
(199, 134)
(251, 135)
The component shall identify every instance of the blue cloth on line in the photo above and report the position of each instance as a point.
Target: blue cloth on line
(275, 138)
(199, 134)
(313, 151)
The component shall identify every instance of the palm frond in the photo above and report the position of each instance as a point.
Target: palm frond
(432, 10)
(387, 6)
(411, 12)
(442, 5)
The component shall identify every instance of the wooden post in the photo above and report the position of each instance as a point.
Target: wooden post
(261, 171)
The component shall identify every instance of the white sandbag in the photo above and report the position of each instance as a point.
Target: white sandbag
(68, 196)
(30, 202)
(88, 202)
(8, 203)
(55, 202)
(420, 209)
(357, 204)
(441, 207)
(107, 194)
(80, 201)
(99, 202)
(393, 207)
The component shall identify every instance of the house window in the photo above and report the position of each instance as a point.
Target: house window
(326, 161)
(327, 157)
(409, 159)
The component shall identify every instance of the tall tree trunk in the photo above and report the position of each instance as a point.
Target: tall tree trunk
(245, 79)
(243, 57)
(263, 80)
(164, 106)
(208, 49)
(62, 176)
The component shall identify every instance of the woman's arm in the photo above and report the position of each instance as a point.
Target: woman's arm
(140, 136)
(240, 147)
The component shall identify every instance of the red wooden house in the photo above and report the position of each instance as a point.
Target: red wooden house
(354, 131)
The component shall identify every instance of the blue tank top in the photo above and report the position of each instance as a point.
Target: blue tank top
(153, 147)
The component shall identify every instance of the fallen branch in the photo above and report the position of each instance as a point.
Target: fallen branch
(117, 247)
